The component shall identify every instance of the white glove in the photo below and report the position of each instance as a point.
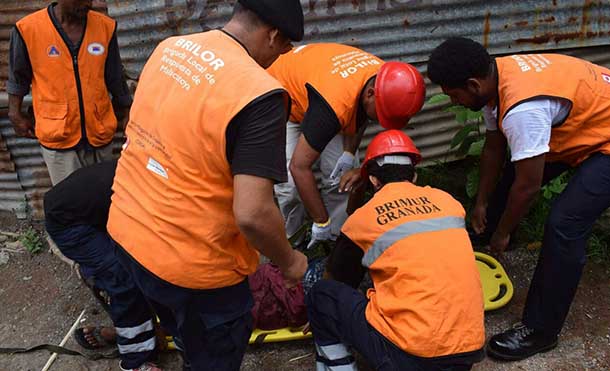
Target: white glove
(320, 232)
(344, 164)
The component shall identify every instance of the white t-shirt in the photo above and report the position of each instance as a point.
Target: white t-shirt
(527, 126)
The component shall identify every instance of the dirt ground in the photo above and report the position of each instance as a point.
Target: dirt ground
(40, 298)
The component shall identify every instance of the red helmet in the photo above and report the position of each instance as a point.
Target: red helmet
(399, 94)
(390, 142)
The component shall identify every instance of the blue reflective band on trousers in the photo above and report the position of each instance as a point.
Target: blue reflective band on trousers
(93, 250)
(409, 229)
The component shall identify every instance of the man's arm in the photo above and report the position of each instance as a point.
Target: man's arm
(302, 161)
(116, 84)
(23, 125)
(528, 180)
(260, 221)
(256, 142)
(344, 262)
(492, 162)
(320, 125)
(18, 85)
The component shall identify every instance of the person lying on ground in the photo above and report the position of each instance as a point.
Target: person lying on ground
(76, 212)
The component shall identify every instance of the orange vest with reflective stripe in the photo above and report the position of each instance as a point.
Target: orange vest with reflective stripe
(338, 72)
(172, 208)
(427, 297)
(55, 88)
(586, 85)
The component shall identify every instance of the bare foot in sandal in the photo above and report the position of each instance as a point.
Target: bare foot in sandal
(91, 337)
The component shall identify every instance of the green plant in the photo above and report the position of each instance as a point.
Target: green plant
(31, 241)
(598, 248)
(469, 140)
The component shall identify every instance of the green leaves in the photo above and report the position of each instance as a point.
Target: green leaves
(476, 148)
(472, 182)
(438, 99)
(461, 135)
(555, 186)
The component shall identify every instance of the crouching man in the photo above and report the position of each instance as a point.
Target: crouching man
(425, 311)
(76, 212)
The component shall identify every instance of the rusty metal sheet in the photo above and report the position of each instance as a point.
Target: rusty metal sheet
(407, 30)
(10, 12)
(12, 195)
(393, 29)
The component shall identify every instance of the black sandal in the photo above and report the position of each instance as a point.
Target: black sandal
(81, 338)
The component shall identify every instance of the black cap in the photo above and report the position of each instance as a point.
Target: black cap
(286, 15)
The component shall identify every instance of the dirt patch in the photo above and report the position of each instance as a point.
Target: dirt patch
(40, 297)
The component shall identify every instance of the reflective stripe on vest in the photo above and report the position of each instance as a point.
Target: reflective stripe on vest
(406, 230)
(418, 275)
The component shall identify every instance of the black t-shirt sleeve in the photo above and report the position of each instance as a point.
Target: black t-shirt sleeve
(344, 263)
(256, 138)
(320, 123)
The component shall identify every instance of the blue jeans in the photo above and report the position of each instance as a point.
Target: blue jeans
(337, 316)
(93, 250)
(563, 254)
(212, 326)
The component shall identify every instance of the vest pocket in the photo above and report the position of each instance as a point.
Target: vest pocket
(105, 122)
(51, 121)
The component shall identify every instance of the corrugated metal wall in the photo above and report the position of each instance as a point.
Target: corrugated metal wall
(12, 195)
(391, 29)
(10, 12)
(406, 30)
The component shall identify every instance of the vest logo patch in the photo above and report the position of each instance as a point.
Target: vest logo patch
(156, 167)
(53, 51)
(606, 77)
(96, 49)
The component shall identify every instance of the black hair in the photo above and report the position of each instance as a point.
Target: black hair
(390, 173)
(243, 12)
(456, 60)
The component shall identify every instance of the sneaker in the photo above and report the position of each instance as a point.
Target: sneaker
(519, 342)
(148, 366)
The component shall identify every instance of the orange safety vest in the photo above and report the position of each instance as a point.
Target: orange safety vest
(172, 208)
(338, 72)
(61, 85)
(427, 297)
(586, 130)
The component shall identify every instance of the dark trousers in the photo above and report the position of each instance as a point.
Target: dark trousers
(567, 229)
(563, 254)
(93, 250)
(212, 326)
(337, 315)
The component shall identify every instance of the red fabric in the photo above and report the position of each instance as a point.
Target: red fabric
(275, 306)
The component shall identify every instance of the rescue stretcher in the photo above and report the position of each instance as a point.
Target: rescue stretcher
(497, 292)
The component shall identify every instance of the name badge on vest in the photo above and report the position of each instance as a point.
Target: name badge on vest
(96, 49)
(53, 51)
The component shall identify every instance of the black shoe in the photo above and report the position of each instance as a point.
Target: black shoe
(519, 343)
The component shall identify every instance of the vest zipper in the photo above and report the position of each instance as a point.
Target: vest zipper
(81, 105)
(79, 89)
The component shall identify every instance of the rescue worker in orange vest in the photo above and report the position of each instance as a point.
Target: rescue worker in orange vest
(335, 89)
(425, 310)
(553, 112)
(70, 56)
(193, 191)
